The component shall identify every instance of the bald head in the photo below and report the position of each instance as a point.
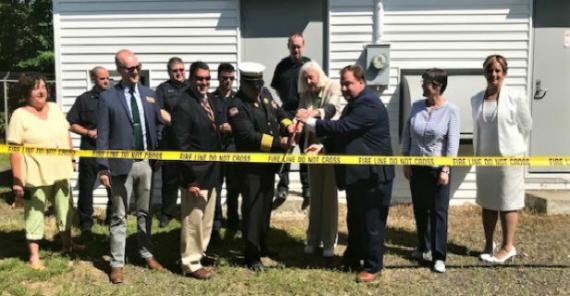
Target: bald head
(128, 66)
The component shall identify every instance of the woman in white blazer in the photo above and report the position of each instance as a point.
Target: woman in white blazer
(321, 97)
(501, 127)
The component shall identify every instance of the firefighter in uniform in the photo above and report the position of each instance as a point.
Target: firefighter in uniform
(258, 125)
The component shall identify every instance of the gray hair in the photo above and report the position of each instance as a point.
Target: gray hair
(302, 82)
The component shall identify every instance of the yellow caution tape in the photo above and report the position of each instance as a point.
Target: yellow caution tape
(542, 161)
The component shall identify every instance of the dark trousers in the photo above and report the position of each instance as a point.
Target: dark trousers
(303, 173)
(257, 196)
(87, 177)
(431, 203)
(368, 206)
(231, 178)
(169, 190)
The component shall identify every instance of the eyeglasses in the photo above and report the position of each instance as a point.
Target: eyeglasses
(256, 83)
(133, 68)
(181, 70)
(103, 78)
(202, 78)
(224, 78)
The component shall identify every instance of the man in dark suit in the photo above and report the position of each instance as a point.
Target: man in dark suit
(128, 118)
(362, 129)
(195, 129)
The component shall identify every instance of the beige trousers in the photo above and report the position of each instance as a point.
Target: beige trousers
(197, 215)
(323, 212)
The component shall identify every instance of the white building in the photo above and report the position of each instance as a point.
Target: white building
(452, 34)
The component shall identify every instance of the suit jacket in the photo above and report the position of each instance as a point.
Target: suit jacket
(115, 126)
(363, 129)
(329, 107)
(193, 131)
(513, 119)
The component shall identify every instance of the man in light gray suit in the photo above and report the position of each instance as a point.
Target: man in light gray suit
(129, 119)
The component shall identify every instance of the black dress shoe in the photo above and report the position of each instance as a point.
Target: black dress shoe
(255, 266)
(280, 198)
(208, 260)
(164, 220)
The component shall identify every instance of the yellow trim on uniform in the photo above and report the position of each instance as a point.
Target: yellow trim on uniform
(266, 142)
(286, 122)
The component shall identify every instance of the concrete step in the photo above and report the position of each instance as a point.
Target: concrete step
(549, 202)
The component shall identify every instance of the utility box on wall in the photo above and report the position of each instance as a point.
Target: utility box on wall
(377, 67)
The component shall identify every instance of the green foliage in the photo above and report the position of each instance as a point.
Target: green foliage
(26, 38)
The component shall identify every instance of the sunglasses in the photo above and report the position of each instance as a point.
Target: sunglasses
(181, 70)
(133, 68)
(202, 78)
(232, 78)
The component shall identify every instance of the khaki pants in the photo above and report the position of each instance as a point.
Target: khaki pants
(197, 215)
(323, 213)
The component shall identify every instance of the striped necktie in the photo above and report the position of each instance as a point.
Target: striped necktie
(206, 105)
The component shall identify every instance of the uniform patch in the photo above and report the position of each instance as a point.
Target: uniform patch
(150, 100)
(233, 111)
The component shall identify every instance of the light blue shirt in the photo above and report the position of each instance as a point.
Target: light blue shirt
(126, 90)
(434, 133)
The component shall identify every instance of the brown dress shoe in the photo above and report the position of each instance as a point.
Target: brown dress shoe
(200, 274)
(153, 264)
(366, 277)
(116, 275)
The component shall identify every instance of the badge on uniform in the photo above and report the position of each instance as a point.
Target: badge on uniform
(256, 105)
(265, 100)
(233, 111)
(150, 100)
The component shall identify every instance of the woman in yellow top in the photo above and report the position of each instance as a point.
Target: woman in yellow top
(41, 178)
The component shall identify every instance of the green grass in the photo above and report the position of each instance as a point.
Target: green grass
(4, 162)
(542, 269)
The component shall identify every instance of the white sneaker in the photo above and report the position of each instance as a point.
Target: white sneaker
(418, 255)
(328, 252)
(439, 266)
(309, 249)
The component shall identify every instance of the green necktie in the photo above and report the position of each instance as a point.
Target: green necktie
(137, 128)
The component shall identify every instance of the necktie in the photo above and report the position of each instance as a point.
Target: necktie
(137, 128)
(209, 111)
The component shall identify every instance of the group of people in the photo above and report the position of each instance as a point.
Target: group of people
(183, 115)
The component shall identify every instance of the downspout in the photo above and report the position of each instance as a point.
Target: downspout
(377, 22)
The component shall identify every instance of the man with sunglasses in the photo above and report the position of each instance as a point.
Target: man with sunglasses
(128, 118)
(195, 129)
(167, 94)
(221, 99)
(83, 120)
(258, 125)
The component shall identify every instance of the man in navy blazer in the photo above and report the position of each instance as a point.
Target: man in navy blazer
(362, 129)
(129, 119)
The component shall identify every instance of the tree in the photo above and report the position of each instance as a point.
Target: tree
(26, 38)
